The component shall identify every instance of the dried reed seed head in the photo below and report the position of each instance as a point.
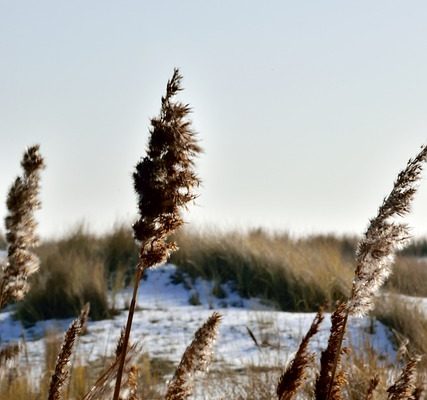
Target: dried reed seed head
(32, 160)
(296, 372)
(61, 372)
(405, 386)
(164, 179)
(375, 253)
(21, 236)
(196, 357)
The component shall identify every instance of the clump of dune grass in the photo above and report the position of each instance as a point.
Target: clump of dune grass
(22, 201)
(296, 274)
(59, 290)
(119, 253)
(407, 321)
(409, 276)
(164, 181)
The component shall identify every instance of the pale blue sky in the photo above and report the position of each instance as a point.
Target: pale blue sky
(306, 110)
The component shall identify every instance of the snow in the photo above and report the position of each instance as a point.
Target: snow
(165, 323)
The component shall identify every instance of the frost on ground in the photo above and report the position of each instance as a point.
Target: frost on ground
(166, 321)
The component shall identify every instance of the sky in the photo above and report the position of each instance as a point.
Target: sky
(306, 110)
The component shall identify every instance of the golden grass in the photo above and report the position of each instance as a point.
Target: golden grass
(296, 274)
(407, 321)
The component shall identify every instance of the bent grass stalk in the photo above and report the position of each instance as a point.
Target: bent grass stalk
(374, 257)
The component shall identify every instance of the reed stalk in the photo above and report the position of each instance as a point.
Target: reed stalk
(164, 180)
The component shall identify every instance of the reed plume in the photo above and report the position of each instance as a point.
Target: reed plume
(374, 256)
(405, 387)
(296, 372)
(22, 201)
(61, 373)
(375, 252)
(196, 358)
(164, 180)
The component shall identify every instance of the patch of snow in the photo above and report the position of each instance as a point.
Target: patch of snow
(165, 323)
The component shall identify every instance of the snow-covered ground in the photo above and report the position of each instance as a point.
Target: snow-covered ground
(165, 323)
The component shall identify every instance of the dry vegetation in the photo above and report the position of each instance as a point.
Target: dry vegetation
(296, 274)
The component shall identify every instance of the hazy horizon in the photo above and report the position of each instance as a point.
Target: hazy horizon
(306, 111)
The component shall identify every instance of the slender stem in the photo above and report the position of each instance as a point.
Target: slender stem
(337, 355)
(138, 275)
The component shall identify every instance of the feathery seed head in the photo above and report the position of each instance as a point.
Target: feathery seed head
(196, 357)
(164, 179)
(295, 374)
(61, 373)
(375, 253)
(405, 386)
(22, 201)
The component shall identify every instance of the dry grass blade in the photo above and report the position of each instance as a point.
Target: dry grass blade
(22, 201)
(195, 358)
(295, 374)
(383, 237)
(252, 336)
(61, 373)
(104, 387)
(164, 181)
(328, 383)
(405, 387)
